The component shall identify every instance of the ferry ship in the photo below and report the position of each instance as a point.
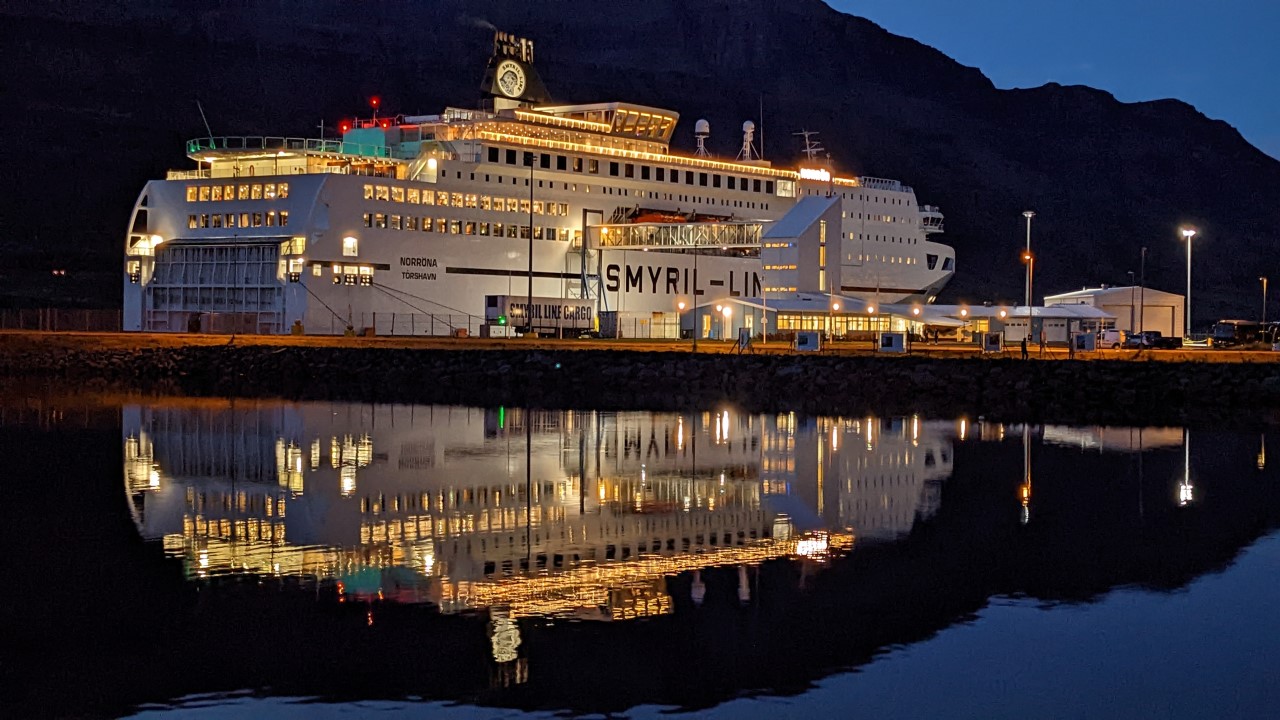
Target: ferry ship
(406, 224)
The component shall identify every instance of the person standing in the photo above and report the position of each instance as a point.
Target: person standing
(1024, 348)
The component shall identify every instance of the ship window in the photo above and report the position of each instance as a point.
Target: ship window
(395, 222)
(271, 218)
(380, 220)
(688, 177)
(524, 206)
(442, 225)
(442, 199)
(381, 192)
(660, 174)
(216, 193)
(629, 170)
(269, 191)
(469, 229)
(368, 219)
(511, 231)
(204, 193)
(544, 161)
(732, 182)
(562, 162)
(284, 218)
(500, 204)
(426, 224)
(484, 228)
(493, 154)
(755, 185)
(539, 208)
(255, 192)
(511, 157)
(613, 169)
(257, 219)
(412, 195)
(497, 229)
(948, 263)
(471, 200)
(192, 191)
(524, 232)
(192, 222)
(397, 194)
(456, 200)
(768, 187)
(486, 203)
(931, 260)
(644, 172)
(455, 227)
(316, 270)
(231, 220)
(577, 164)
(715, 180)
(368, 192)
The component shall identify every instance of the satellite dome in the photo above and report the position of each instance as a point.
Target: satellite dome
(702, 127)
(748, 126)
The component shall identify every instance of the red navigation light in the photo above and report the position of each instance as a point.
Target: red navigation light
(385, 124)
(374, 101)
(345, 126)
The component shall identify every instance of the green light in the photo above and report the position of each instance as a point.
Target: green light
(502, 319)
(502, 417)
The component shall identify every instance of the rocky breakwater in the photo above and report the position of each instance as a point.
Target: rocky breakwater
(1059, 391)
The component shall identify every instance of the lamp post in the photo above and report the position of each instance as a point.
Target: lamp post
(875, 336)
(1030, 260)
(1264, 299)
(679, 318)
(1028, 215)
(528, 309)
(724, 325)
(1187, 234)
(1132, 290)
(831, 320)
(1142, 292)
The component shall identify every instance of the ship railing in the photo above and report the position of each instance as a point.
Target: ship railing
(930, 209)
(884, 184)
(201, 174)
(260, 143)
(675, 236)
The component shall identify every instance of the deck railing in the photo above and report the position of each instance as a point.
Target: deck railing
(247, 143)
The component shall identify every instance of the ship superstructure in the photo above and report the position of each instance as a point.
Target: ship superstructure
(405, 224)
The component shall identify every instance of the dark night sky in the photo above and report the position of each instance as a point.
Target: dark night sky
(1222, 57)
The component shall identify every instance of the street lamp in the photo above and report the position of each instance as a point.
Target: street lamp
(679, 318)
(1028, 215)
(1132, 298)
(831, 321)
(1030, 260)
(724, 326)
(1188, 233)
(1264, 299)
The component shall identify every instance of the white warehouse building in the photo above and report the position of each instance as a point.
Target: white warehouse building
(1135, 308)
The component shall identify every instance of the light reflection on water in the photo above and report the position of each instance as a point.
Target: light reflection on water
(532, 513)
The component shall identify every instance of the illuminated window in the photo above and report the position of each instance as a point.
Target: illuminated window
(231, 220)
(469, 229)
(316, 270)
(368, 192)
(442, 225)
(271, 218)
(486, 203)
(204, 221)
(255, 192)
(282, 190)
(593, 167)
(368, 219)
(269, 191)
(455, 199)
(426, 224)
(471, 201)
(381, 192)
(524, 207)
(413, 195)
(193, 222)
(350, 246)
(484, 228)
(192, 191)
(215, 220)
(397, 194)
(497, 229)
(228, 192)
(216, 193)
(379, 220)
(538, 207)
(455, 227)
(428, 197)
(395, 222)
(410, 222)
(242, 192)
(442, 198)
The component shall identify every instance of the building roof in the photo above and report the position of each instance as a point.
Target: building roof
(1120, 290)
(801, 217)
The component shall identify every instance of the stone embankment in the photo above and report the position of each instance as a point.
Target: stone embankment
(1049, 391)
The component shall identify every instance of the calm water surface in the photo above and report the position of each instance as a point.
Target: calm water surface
(217, 558)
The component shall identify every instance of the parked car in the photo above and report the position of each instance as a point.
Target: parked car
(1152, 339)
(1112, 338)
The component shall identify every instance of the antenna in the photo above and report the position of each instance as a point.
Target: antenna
(205, 119)
(748, 152)
(811, 147)
(701, 130)
(761, 126)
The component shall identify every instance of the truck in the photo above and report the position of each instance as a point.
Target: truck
(551, 317)
(1152, 339)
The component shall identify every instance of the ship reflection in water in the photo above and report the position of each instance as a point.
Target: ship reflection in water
(575, 514)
